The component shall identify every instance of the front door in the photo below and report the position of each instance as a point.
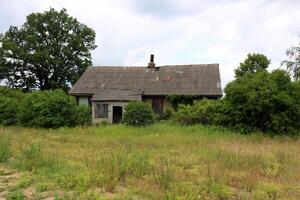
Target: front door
(117, 114)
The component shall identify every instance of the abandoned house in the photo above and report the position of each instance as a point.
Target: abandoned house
(108, 89)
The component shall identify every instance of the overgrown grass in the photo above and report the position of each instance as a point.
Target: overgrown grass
(163, 161)
(4, 148)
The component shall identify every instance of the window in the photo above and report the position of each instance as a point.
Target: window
(101, 110)
(83, 100)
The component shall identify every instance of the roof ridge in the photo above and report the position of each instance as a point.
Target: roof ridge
(126, 66)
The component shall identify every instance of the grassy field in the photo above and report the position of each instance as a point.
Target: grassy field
(163, 161)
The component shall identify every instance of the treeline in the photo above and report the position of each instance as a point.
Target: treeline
(257, 100)
(47, 109)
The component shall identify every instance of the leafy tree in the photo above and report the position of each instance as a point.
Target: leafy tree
(293, 62)
(253, 63)
(50, 50)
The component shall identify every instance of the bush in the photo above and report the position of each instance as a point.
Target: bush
(83, 115)
(166, 114)
(138, 113)
(9, 105)
(51, 109)
(8, 110)
(203, 111)
(269, 102)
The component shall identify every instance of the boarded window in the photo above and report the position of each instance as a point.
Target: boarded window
(101, 110)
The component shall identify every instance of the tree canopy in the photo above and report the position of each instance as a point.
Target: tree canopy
(50, 50)
(253, 63)
(293, 62)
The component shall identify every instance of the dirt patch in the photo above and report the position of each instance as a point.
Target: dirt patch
(8, 179)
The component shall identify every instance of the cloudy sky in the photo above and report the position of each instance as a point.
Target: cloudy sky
(176, 31)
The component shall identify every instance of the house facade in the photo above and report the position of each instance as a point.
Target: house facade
(108, 89)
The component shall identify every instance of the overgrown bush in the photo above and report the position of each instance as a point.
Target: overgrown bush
(203, 111)
(82, 115)
(51, 109)
(47, 109)
(138, 113)
(268, 102)
(166, 114)
(9, 105)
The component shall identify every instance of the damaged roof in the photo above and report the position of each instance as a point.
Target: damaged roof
(130, 83)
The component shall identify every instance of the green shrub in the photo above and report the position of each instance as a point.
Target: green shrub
(8, 110)
(51, 109)
(263, 101)
(83, 115)
(166, 114)
(4, 148)
(9, 105)
(9, 92)
(269, 102)
(47, 109)
(138, 113)
(203, 111)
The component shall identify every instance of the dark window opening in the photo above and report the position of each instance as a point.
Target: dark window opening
(101, 110)
(158, 104)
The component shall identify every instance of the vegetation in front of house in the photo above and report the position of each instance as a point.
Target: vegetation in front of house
(162, 161)
(255, 100)
(47, 109)
(138, 113)
(51, 50)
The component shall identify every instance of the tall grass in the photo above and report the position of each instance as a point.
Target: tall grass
(164, 161)
(32, 157)
(5, 150)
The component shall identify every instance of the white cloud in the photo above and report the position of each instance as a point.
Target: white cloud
(177, 31)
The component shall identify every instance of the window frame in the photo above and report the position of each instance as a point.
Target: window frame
(101, 110)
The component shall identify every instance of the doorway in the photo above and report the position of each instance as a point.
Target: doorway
(158, 105)
(117, 114)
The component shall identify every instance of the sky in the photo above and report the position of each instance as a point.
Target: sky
(176, 31)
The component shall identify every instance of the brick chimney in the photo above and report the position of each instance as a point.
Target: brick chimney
(151, 64)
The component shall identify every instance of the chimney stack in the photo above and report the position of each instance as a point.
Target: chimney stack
(151, 64)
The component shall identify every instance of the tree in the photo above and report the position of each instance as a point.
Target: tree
(50, 50)
(253, 63)
(293, 62)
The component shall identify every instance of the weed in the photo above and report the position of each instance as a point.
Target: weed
(215, 190)
(5, 151)
(32, 157)
(15, 195)
(163, 174)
